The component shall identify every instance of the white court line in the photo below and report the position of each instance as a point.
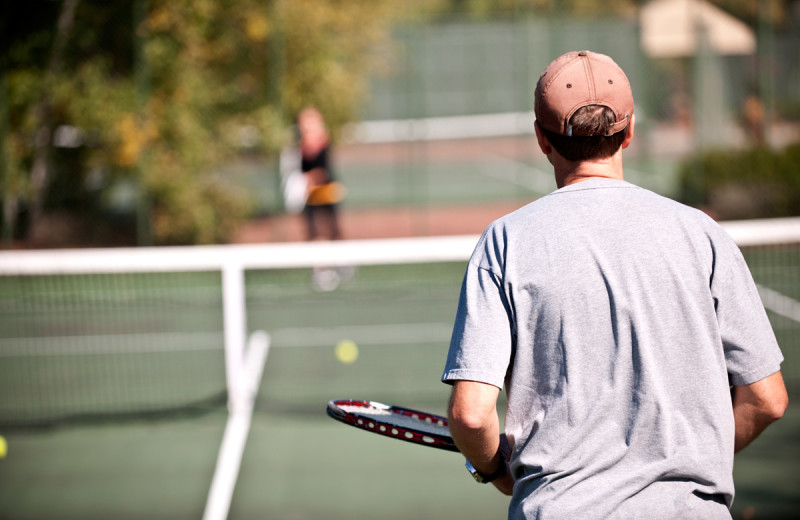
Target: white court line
(779, 303)
(110, 344)
(290, 337)
(388, 334)
(532, 178)
(237, 429)
(440, 128)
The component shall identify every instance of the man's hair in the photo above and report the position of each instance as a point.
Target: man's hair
(589, 125)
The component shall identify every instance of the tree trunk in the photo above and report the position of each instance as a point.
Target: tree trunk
(44, 131)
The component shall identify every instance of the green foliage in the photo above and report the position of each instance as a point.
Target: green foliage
(164, 93)
(161, 91)
(756, 183)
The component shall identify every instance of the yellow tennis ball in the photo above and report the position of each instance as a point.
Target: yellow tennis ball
(3, 447)
(346, 351)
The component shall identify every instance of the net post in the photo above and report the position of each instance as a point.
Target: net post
(235, 325)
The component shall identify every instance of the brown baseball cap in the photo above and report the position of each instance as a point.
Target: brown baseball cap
(577, 79)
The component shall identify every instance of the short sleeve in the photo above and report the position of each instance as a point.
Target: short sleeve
(751, 349)
(482, 340)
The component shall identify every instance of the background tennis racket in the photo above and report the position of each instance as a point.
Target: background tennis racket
(392, 421)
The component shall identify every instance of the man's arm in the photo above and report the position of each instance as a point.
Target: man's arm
(475, 427)
(757, 405)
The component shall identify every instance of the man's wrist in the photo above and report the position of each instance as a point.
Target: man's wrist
(484, 478)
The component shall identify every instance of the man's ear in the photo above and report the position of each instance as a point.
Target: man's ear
(544, 144)
(629, 134)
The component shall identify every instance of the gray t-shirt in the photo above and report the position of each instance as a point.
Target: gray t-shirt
(616, 320)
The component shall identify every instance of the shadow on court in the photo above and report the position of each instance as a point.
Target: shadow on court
(298, 466)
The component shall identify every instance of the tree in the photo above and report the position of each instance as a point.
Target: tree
(158, 92)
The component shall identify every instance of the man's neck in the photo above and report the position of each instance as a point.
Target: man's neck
(568, 172)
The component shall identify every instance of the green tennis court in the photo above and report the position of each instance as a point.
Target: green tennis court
(112, 396)
(297, 466)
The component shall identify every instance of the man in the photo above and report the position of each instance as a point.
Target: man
(617, 321)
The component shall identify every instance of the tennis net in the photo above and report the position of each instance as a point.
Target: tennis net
(117, 333)
(109, 334)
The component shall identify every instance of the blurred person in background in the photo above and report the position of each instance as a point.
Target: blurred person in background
(323, 193)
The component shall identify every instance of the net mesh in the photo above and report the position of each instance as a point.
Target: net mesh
(105, 346)
(92, 346)
(776, 270)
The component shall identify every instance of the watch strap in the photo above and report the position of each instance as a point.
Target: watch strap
(485, 479)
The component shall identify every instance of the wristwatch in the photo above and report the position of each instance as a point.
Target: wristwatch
(485, 479)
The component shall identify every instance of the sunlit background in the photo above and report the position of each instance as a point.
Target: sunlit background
(130, 128)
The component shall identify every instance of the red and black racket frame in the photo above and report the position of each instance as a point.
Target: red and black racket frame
(365, 422)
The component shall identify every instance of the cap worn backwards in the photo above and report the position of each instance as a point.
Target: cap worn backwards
(578, 79)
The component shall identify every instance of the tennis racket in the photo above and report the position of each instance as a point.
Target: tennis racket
(392, 421)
